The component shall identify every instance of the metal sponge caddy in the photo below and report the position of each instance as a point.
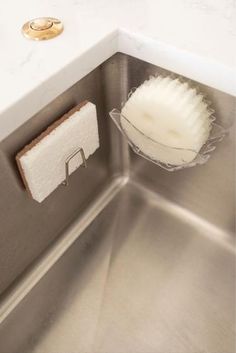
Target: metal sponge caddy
(216, 135)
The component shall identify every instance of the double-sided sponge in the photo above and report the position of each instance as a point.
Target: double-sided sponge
(42, 162)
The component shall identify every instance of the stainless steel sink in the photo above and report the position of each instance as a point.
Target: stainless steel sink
(143, 260)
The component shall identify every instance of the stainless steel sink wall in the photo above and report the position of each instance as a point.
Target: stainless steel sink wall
(154, 267)
(27, 228)
(207, 191)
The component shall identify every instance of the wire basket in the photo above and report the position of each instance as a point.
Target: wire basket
(200, 157)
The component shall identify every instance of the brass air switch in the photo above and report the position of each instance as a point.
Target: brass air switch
(42, 28)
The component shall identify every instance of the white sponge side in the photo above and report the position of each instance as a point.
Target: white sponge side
(43, 165)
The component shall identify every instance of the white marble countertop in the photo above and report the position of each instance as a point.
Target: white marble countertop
(195, 38)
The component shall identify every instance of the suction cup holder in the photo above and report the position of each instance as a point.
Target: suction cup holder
(216, 135)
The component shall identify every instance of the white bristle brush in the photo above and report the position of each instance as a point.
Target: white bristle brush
(172, 114)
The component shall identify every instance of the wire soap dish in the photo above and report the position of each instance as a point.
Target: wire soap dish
(216, 135)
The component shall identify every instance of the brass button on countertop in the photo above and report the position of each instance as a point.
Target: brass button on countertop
(40, 24)
(42, 28)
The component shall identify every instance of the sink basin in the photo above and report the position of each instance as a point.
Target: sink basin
(145, 263)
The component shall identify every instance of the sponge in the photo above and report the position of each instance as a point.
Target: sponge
(167, 120)
(42, 162)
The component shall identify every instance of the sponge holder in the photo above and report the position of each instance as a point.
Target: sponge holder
(67, 164)
(216, 135)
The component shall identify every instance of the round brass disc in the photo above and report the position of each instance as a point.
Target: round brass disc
(42, 28)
